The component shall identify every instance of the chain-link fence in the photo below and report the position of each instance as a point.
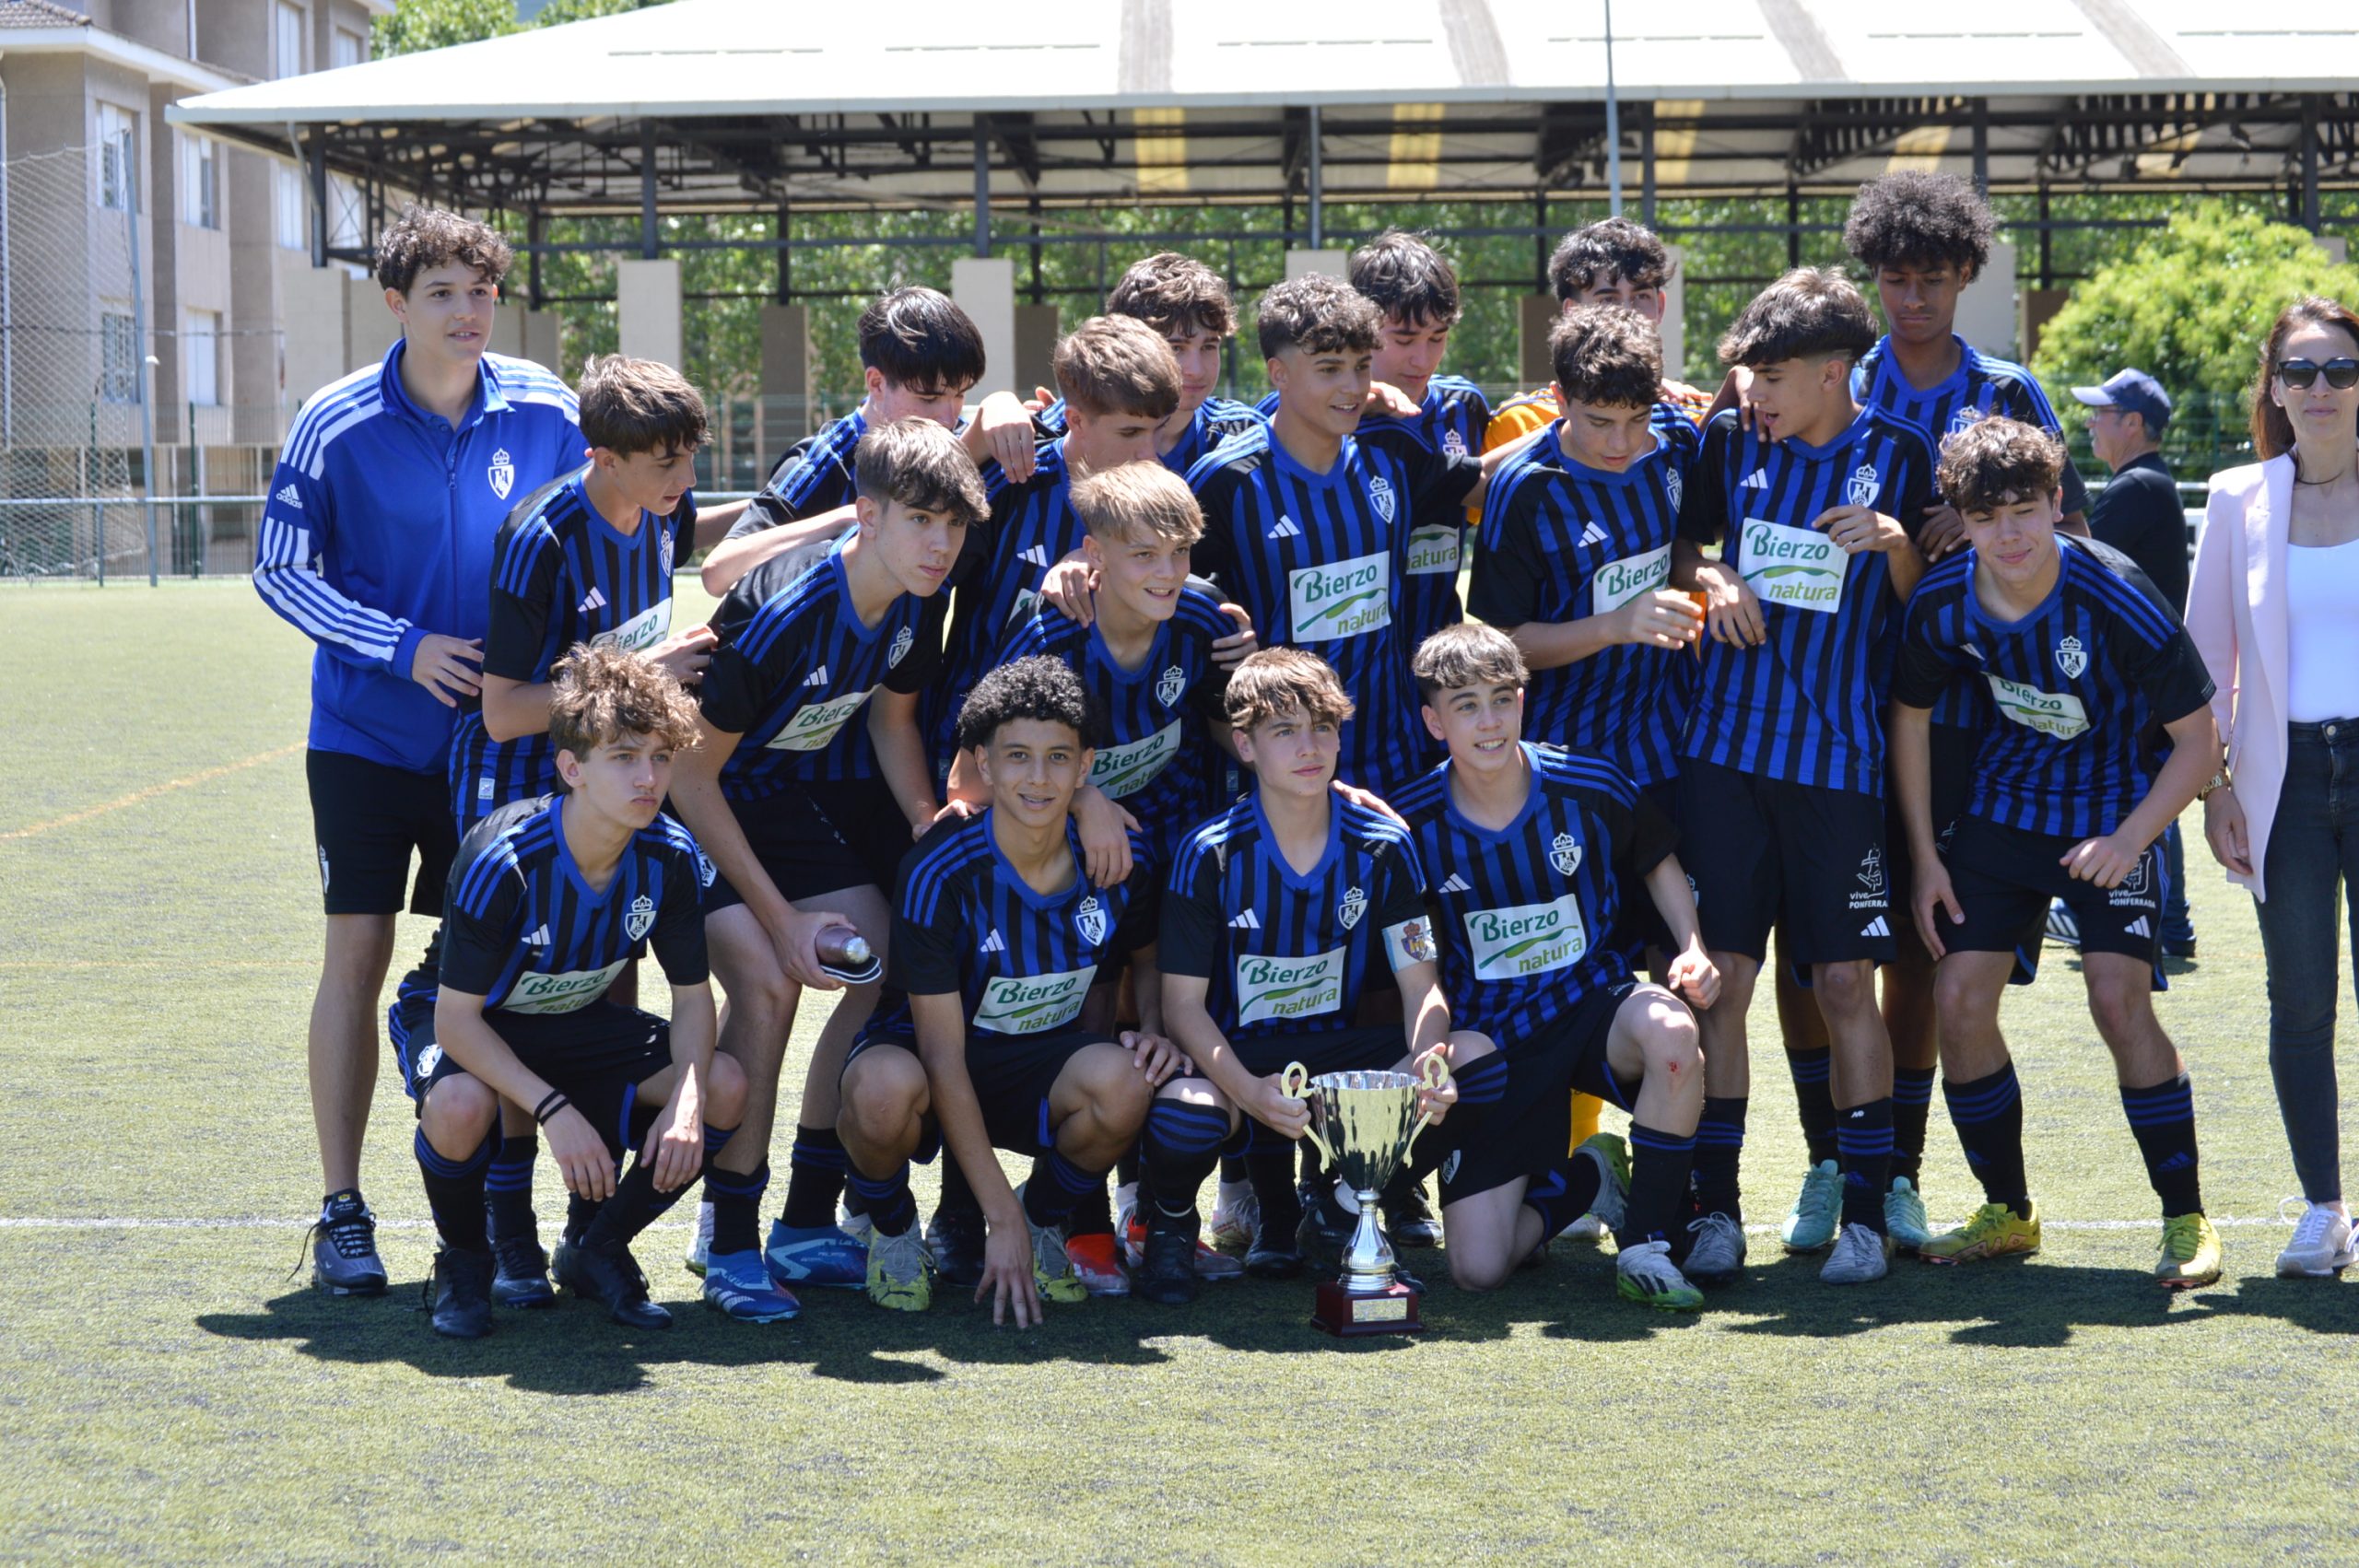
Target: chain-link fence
(105, 399)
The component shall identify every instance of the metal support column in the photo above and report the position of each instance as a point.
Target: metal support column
(648, 247)
(982, 186)
(2046, 253)
(315, 156)
(2310, 162)
(143, 382)
(535, 232)
(1793, 227)
(1982, 147)
(1646, 171)
(1318, 187)
(1540, 242)
(1613, 123)
(785, 258)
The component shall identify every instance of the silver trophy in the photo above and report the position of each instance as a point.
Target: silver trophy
(1365, 1123)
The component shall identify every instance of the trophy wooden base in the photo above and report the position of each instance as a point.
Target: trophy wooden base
(1349, 1314)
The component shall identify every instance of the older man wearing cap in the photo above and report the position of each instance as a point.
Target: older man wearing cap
(2139, 513)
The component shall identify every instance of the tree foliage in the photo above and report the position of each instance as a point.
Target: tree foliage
(2190, 304)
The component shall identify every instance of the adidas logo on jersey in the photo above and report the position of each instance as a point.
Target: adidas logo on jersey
(538, 939)
(1877, 926)
(287, 494)
(2138, 928)
(993, 942)
(1757, 480)
(1592, 535)
(1286, 529)
(593, 600)
(1037, 555)
(1456, 884)
(817, 677)
(1248, 921)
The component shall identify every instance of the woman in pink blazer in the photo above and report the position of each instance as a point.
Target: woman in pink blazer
(2273, 607)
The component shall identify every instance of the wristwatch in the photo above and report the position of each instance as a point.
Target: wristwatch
(2217, 781)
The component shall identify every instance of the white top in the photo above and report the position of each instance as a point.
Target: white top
(2322, 628)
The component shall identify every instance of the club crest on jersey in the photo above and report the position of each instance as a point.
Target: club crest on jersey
(2071, 658)
(1354, 905)
(1861, 487)
(1565, 854)
(640, 918)
(1453, 443)
(902, 641)
(1090, 920)
(663, 552)
(502, 473)
(1964, 419)
(1168, 685)
(1379, 496)
(1673, 486)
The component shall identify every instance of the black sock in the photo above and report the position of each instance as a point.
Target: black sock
(454, 1191)
(958, 1193)
(1863, 1145)
(1814, 1073)
(1568, 1191)
(579, 1213)
(1126, 1169)
(1660, 1163)
(1269, 1165)
(635, 1206)
(737, 1199)
(1057, 1184)
(1719, 1141)
(1912, 1105)
(1989, 1115)
(1232, 1169)
(814, 1178)
(1093, 1216)
(2162, 1118)
(891, 1207)
(508, 1186)
(1179, 1149)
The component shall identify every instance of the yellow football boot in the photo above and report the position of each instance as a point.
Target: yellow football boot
(1995, 1230)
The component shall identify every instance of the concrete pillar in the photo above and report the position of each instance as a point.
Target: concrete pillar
(985, 289)
(1037, 329)
(647, 310)
(1536, 318)
(371, 327)
(1986, 308)
(783, 414)
(2336, 248)
(1674, 320)
(1335, 263)
(542, 343)
(507, 330)
(314, 305)
(2039, 308)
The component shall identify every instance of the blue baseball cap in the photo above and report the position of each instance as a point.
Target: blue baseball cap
(2134, 392)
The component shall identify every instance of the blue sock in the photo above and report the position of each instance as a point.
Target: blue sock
(508, 1186)
(1863, 1146)
(1056, 1186)
(1989, 1115)
(1484, 1081)
(1660, 1163)
(1182, 1144)
(1719, 1141)
(454, 1191)
(1912, 1107)
(814, 1178)
(1568, 1191)
(891, 1207)
(2163, 1119)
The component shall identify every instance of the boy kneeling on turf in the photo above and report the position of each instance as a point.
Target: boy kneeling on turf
(2084, 663)
(548, 899)
(1275, 911)
(1535, 849)
(997, 934)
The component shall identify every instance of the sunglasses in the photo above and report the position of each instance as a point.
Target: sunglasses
(2341, 374)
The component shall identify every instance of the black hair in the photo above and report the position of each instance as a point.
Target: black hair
(919, 338)
(1039, 688)
(1409, 280)
(1611, 247)
(1606, 355)
(1915, 217)
(1812, 312)
(1318, 314)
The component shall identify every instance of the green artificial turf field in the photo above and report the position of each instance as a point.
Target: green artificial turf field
(171, 1394)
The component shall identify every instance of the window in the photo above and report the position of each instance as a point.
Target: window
(118, 143)
(201, 354)
(287, 56)
(201, 182)
(118, 353)
(287, 207)
(351, 49)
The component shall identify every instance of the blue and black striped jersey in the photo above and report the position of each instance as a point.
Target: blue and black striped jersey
(1285, 949)
(1802, 707)
(793, 667)
(1022, 961)
(1318, 560)
(1032, 527)
(1215, 420)
(1981, 387)
(522, 930)
(560, 576)
(1562, 540)
(1529, 913)
(1155, 752)
(1453, 419)
(2080, 687)
(815, 477)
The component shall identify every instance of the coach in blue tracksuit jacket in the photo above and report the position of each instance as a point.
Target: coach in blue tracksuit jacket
(376, 542)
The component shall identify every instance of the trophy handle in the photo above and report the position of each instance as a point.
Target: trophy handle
(1436, 1072)
(1295, 1084)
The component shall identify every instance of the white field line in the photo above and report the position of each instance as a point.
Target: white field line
(257, 1222)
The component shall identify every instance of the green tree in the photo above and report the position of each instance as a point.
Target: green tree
(2190, 304)
(414, 25)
